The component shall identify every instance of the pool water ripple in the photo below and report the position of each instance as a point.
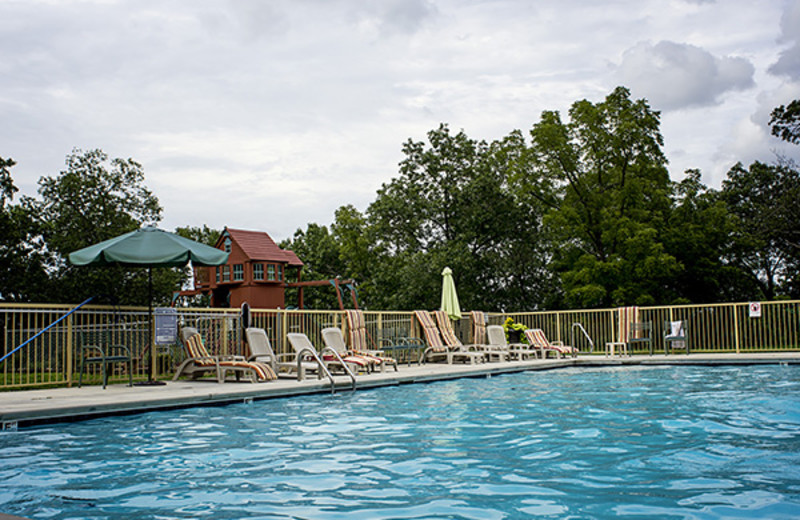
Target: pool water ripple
(679, 442)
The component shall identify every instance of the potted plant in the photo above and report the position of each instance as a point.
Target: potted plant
(513, 330)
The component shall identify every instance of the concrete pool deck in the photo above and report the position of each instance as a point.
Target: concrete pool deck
(30, 407)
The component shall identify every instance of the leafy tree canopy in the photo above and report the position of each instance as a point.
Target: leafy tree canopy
(92, 200)
(604, 176)
(204, 235)
(578, 212)
(22, 266)
(785, 122)
(763, 200)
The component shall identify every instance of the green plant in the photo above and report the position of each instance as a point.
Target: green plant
(510, 325)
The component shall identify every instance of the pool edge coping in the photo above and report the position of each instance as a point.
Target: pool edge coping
(47, 407)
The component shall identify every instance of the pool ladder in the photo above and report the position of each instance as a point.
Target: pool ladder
(323, 368)
(579, 326)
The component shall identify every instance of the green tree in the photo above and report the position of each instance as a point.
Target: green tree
(699, 235)
(318, 250)
(22, 273)
(357, 253)
(451, 206)
(204, 234)
(763, 198)
(612, 200)
(92, 200)
(785, 122)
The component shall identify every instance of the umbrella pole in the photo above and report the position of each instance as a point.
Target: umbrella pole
(150, 322)
(151, 379)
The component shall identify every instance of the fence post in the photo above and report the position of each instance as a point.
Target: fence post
(283, 318)
(378, 331)
(611, 316)
(736, 328)
(69, 351)
(558, 326)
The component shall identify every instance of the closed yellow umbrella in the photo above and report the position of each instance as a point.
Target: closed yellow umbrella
(449, 296)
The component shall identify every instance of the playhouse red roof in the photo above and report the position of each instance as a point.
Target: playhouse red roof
(258, 245)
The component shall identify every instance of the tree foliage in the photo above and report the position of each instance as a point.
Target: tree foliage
(698, 234)
(92, 200)
(604, 175)
(785, 122)
(578, 212)
(763, 199)
(203, 234)
(22, 265)
(451, 205)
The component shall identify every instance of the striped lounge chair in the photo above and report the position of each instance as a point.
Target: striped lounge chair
(451, 340)
(357, 333)
(437, 350)
(537, 338)
(199, 362)
(334, 339)
(631, 331)
(478, 319)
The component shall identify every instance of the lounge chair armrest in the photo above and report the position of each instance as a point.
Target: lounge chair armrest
(230, 358)
(367, 352)
(213, 359)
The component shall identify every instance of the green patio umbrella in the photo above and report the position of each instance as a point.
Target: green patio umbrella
(449, 297)
(149, 247)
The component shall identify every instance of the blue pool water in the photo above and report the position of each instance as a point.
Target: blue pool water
(679, 442)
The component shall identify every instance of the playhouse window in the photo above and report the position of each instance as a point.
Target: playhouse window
(226, 273)
(270, 271)
(258, 271)
(238, 272)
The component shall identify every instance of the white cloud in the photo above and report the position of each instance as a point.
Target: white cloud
(678, 75)
(270, 115)
(788, 63)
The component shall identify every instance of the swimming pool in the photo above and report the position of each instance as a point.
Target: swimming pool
(674, 442)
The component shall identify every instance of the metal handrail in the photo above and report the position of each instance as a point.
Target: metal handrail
(45, 329)
(320, 363)
(586, 334)
(344, 365)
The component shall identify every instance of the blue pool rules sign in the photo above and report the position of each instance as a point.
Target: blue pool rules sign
(755, 309)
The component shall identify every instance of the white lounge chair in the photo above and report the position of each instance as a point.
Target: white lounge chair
(497, 340)
(334, 339)
(261, 350)
(303, 347)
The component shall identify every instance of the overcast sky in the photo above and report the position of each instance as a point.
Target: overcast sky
(268, 115)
